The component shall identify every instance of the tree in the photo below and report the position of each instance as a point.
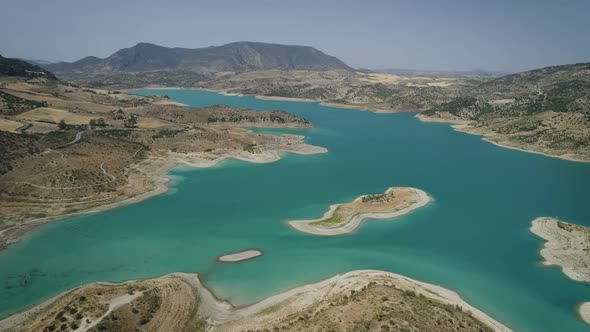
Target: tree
(62, 125)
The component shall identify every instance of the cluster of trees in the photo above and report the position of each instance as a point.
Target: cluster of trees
(129, 120)
(97, 123)
(16, 105)
(62, 125)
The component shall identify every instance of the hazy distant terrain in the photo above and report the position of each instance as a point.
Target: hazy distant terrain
(239, 56)
(543, 110)
(459, 73)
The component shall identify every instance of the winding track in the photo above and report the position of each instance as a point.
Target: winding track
(77, 138)
(80, 134)
(113, 178)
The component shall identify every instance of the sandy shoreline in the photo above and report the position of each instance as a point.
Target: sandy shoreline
(564, 156)
(307, 227)
(301, 100)
(29, 225)
(425, 118)
(584, 312)
(262, 97)
(366, 108)
(563, 248)
(240, 256)
(170, 102)
(464, 126)
(223, 312)
(222, 315)
(323, 103)
(162, 87)
(459, 125)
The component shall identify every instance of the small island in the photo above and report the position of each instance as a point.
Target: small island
(345, 218)
(240, 256)
(567, 246)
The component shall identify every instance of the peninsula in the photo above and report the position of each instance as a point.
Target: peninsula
(345, 218)
(374, 300)
(567, 246)
(542, 111)
(68, 149)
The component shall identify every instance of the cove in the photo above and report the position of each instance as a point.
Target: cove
(473, 238)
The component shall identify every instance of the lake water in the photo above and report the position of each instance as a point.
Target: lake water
(473, 238)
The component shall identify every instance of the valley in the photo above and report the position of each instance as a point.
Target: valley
(82, 138)
(543, 111)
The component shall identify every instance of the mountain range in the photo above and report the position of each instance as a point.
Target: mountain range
(234, 57)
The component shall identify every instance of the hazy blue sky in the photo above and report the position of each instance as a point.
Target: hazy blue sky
(447, 35)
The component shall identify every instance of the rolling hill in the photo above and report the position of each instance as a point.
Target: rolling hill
(16, 67)
(545, 110)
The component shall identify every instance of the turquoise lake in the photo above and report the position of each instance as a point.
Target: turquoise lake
(473, 238)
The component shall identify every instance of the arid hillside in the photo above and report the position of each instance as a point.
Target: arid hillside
(66, 148)
(545, 110)
(355, 301)
(374, 91)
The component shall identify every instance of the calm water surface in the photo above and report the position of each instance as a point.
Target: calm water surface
(473, 238)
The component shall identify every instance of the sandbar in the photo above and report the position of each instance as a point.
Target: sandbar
(240, 256)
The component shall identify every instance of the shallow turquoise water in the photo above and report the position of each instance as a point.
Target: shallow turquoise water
(473, 238)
